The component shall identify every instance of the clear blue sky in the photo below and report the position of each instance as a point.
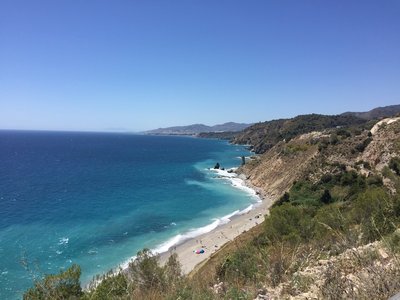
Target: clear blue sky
(135, 65)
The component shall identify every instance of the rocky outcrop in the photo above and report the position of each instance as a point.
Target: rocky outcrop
(385, 143)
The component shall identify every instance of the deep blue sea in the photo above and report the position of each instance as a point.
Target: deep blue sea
(95, 199)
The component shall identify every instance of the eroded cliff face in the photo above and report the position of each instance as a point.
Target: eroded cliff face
(275, 171)
(385, 143)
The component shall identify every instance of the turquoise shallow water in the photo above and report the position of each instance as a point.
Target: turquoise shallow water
(96, 199)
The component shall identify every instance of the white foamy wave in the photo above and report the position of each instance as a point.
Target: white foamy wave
(236, 182)
(164, 247)
(125, 265)
(170, 225)
(225, 173)
(229, 216)
(63, 241)
(180, 238)
(239, 184)
(246, 210)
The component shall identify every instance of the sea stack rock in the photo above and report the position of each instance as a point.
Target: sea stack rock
(216, 166)
(243, 160)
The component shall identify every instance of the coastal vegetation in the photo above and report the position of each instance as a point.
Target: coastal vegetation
(263, 136)
(298, 232)
(332, 233)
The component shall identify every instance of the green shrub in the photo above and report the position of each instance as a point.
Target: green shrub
(285, 198)
(394, 164)
(393, 242)
(326, 178)
(304, 192)
(239, 266)
(235, 292)
(375, 211)
(289, 223)
(326, 197)
(111, 286)
(333, 139)
(294, 148)
(65, 285)
(348, 178)
(361, 147)
(189, 292)
(375, 180)
(322, 145)
(343, 133)
(331, 228)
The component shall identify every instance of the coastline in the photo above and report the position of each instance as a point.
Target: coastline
(212, 237)
(231, 226)
(215, 239)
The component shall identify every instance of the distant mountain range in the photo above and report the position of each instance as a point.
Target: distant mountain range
(195, 129)
(264, 135)
(315, 122)
(376, 113)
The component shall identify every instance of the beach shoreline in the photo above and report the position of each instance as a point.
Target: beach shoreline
(228, 228)
(216, 238)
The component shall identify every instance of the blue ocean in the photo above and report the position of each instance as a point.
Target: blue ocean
(95, 199)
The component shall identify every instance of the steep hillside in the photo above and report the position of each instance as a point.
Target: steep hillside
(376, 113)
(263, 136)
(314, 155)
(274, 172)
(226, 135)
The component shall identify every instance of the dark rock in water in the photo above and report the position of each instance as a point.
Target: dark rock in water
(230, 171)
(243, 160)
(222, 169)
(216, 166)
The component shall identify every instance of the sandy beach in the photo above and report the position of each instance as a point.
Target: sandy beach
(212, 241)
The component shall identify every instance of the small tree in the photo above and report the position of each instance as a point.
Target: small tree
(173, 269)
(326, 197)
(285, 198)
(145, 271)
